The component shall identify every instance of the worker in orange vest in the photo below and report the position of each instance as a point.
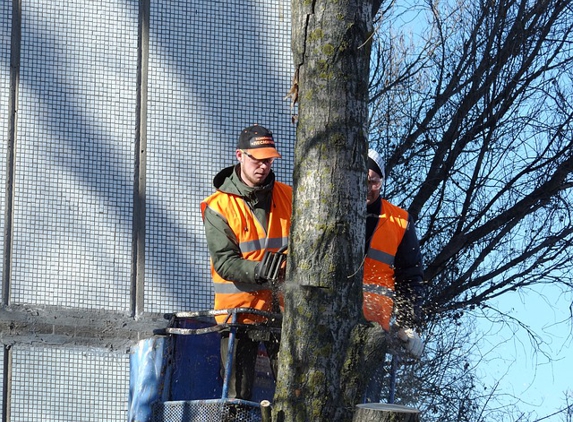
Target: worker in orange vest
(393, 268)
(248, 215)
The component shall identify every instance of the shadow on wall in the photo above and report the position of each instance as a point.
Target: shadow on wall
(212, 70)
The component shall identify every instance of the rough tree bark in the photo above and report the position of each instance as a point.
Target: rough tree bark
(326, 343)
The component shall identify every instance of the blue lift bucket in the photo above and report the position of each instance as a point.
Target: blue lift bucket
(176, 377)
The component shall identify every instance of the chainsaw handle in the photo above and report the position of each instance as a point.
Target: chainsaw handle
(271, 264)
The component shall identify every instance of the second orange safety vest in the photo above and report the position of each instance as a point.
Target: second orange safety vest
(378, 281)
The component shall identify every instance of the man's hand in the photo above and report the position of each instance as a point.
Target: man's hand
(272, 267)
(414, 344)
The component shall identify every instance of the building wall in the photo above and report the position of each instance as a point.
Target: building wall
(115, 116)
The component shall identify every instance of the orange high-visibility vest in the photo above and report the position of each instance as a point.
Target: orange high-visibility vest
(378, 282)
(253, 240)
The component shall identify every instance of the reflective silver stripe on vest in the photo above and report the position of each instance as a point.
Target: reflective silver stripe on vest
(379, 290)
(380, 256)
(276, 242)
(230, 288)
(251, 246)
(256, 245)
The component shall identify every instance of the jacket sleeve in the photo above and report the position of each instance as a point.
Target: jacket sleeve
(409, 281)
(224, 250)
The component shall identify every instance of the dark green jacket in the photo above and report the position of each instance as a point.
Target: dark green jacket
(221, 241)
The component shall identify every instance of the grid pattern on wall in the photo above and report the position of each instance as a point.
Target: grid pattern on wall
(74, 166)
(56, 384)
(213, 70)
(5, 36)
(5, 42)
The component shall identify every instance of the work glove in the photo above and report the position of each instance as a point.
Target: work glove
(413, 343)
(272, 267)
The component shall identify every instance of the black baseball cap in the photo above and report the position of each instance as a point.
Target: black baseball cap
(258, 142)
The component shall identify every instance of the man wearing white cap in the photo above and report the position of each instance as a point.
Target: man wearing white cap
(393, 272)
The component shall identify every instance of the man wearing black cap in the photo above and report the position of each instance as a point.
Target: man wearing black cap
(248, 214)
(393, 272)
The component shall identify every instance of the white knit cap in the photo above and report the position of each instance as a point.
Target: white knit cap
(374, 156)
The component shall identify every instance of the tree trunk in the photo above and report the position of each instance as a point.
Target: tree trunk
(378, 412)
(324, 333)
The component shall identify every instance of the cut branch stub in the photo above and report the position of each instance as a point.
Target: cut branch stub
(379, 412)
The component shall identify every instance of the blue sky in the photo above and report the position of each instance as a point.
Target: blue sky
(538, 379)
